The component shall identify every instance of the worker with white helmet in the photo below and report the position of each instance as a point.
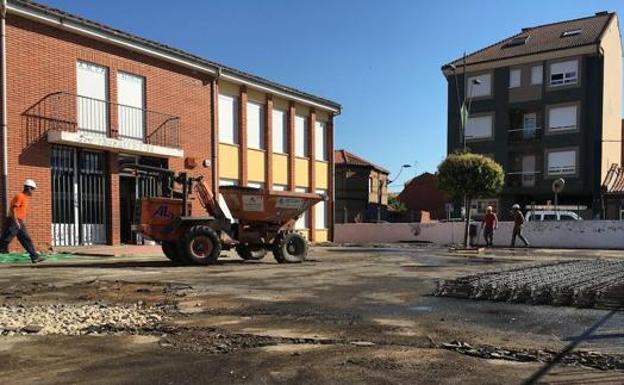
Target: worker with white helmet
(518, 226)
(488, 225)
(16, 226)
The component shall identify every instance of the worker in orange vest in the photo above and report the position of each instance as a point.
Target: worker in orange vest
(18, 211)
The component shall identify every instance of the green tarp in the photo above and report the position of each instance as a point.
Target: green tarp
(25, 258)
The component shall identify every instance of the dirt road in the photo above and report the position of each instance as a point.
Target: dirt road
(348, 316)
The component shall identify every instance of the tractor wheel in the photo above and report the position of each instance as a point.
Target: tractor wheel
(201, 245)
(249, 253)
(172, 251)
(290, 247)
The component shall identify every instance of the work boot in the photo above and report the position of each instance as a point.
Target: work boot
(39, 259)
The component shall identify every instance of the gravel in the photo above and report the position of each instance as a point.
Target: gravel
(68, 319)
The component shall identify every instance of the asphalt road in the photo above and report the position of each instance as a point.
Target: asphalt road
(347, 316)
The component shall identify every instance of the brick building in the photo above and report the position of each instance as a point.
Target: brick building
(422, 194)
(82, 99)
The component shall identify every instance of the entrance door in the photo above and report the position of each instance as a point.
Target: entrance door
(78, 197)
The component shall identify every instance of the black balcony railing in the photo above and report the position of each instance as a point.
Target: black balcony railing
(521, 178)
(524, 135)
(62, 111)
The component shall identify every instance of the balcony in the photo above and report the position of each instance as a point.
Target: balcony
(82, 121)
(521, 178)
(525, 135)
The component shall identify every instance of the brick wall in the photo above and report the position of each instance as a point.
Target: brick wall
(42, 60)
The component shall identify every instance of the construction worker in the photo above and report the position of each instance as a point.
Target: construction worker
(488, 225)
(518, 226)
(18, 211)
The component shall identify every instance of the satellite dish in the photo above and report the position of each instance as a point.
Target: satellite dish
(558, 185)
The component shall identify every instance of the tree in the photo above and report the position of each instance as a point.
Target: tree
(395, 204)
(468, 176)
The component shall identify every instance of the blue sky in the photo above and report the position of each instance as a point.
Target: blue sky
(380, 59)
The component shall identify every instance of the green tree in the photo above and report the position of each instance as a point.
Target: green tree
(469, 176)
(395, 204)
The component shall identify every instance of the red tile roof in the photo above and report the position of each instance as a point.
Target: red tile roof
(345, 157)
(543, 38)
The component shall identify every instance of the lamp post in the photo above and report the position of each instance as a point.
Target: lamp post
(465, 103)
(380, 190)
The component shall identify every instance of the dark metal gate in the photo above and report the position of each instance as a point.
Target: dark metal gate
(78, 197)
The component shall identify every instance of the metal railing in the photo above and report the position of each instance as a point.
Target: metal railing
(62, 111)
(524, 135)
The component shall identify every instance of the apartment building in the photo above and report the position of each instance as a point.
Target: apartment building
(84, 99)
(361, 189)
(546, 104)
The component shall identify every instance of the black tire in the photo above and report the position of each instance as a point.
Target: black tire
(290, 247)
(201, 245)
(249, 253)
(172, 251)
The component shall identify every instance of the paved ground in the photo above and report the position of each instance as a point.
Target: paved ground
(348, 316)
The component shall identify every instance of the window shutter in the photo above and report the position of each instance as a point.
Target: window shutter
(255, 125)
(228, 119)
(562, 162)
(562, 118)
(279, 131)
(319, 141)
(537, 75)
(515, 78)
(479, 127)
(301, 136)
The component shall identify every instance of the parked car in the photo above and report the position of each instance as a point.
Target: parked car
(551, 215)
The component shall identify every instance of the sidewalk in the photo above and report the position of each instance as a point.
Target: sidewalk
(111, 251)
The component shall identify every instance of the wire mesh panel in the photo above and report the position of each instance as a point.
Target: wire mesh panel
(64, 209)
(92, 193)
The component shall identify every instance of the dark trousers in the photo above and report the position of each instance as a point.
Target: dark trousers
(11, 231)
(488, 234)
(517, 232)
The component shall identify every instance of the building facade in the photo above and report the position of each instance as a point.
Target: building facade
(545, 104)
(361, 189)
(83, 99)
(422, 194)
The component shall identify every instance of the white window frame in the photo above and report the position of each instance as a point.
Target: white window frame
(473, 119)
(92, 88)
(320, 140)
(228, 182)
(565, 128)
(537, 74)
(255, 125)
(279, 131)
(130, 111)
(515, 78)
(280, 187)
(228, 116)
(255, 184)
(566, 170)
(302, 131)
(320, 212)
(568, 77)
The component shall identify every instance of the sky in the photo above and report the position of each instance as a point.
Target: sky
(380, 60)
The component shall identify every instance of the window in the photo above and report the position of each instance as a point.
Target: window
(537, 74)
(301, 136)
(515, 78)
(483, 88)
(280, 187)
(550, 217)
(255, 184)
(479, 127)
(320, 212)
(130, 96)
(280, 131)
(255, 125)
(562, 118)
(566, 217)
(302, 222)
(562, 162)
(228, 119)
(228, 182)
(572, 32)
(320, 145)
(92, 90)
(563, 73)
(528, 170)
(518, 40)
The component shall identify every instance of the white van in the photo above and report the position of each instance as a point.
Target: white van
(551, 215)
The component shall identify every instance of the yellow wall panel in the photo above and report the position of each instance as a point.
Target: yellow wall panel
(321, 175)
(280, 169)
(302, 173)
(255, 165)
(228, 161)
(321, 235)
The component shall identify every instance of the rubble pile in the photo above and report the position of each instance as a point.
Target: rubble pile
(66, 319)
(580, 283)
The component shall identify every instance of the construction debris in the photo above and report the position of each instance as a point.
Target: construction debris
(581, 283)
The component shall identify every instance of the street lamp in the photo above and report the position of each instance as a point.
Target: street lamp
(380, 190)
(399, 174)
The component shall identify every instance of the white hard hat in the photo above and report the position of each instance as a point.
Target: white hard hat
(30, 183)
(516, 206)
(489, 208)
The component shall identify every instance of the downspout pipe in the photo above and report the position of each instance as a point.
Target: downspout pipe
(3, 107)
(214, 99)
